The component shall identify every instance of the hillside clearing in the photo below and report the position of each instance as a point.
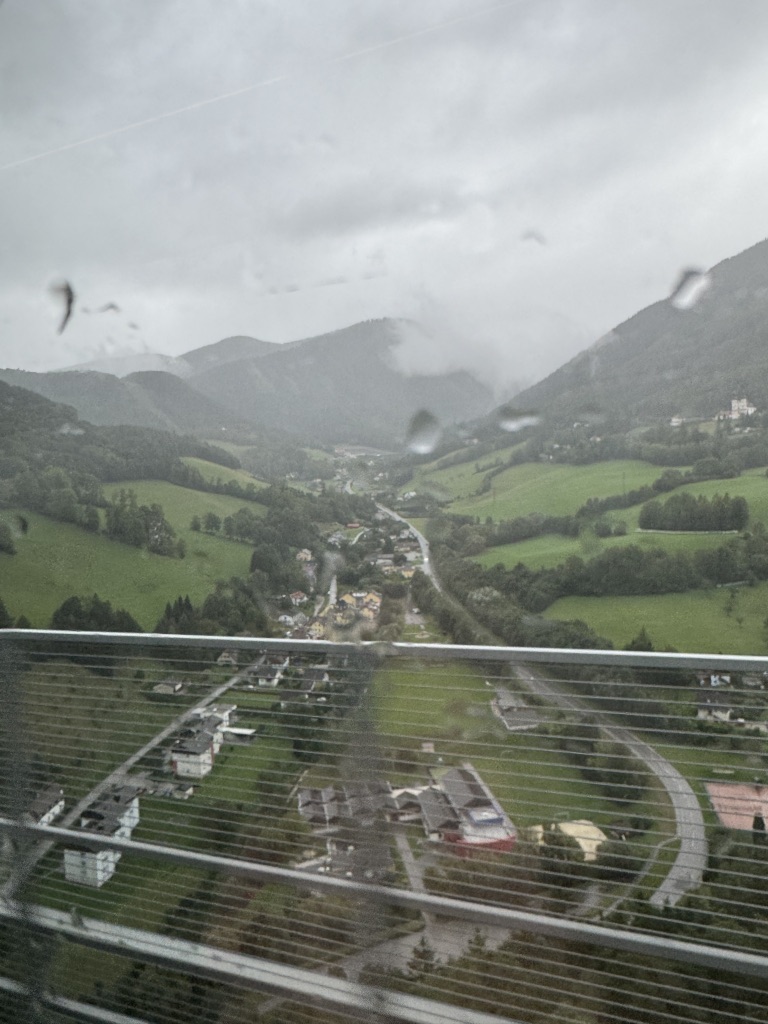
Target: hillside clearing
(55, 560)
(212, 472)
(552, 549)
(720, 620)
(180, 504)
(554, 489)
(458, 481)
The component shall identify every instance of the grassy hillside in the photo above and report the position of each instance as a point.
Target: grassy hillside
(462, 480)
(56, 560)
(555, 489)
(552, 549)
(752, 485)
(726, 620)
(211, 472)
(180, 503)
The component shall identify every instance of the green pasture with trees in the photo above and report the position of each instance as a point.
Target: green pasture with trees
(449, 705)
(550, 550)
(727, 620)
(180, 504)
(459, 479)
(211, 472)
(55, 560)
(554, 488)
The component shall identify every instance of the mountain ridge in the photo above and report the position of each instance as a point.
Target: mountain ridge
(665, 361)
(343, 385)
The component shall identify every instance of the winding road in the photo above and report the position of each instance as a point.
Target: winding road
(688, 868)
(687, 871)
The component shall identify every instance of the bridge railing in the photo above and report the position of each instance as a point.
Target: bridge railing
(229, 829)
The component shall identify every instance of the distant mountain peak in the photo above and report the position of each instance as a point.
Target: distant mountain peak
(134, 362)
(228, 350)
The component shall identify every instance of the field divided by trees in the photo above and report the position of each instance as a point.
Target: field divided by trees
(180, 504)
(462, 479)
(211, 472)
(727, 620)
(553, 488)
(552, 549)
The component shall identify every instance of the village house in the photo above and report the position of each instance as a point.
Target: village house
(463, 812)
(403, 804)
(319, 807)
(169, 687)
(513, 712)
(354, 802)
(270, 671)
(192, 756)
(228, 657)
(305, 555)
(298, 597)
(224, 712)
(47, 805)
(713, 707)
(316, 676)
(267, 675)
(116, 813)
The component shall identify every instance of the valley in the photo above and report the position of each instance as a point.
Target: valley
(534, 540)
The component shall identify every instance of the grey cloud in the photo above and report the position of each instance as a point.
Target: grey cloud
(400, 153)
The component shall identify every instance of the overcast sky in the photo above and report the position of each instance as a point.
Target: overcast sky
(519, 177)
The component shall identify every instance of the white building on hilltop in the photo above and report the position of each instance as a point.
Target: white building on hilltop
(740, 407)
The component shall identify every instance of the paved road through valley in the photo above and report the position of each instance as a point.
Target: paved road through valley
(423, 543)
(688, 868)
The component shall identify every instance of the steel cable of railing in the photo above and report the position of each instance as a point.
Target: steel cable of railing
(580, 791)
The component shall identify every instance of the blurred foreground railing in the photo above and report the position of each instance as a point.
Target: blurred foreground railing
(226, 829)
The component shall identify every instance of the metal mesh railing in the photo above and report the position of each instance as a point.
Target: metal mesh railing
(215, 829)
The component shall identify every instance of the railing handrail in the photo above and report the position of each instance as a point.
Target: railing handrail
(539, 655)
(647, 944)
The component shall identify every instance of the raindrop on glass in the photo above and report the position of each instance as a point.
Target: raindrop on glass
(511, 419)
(423, 433)
(689, 288)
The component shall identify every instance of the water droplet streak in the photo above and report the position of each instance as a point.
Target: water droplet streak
(689, 288)
(423, 434)
(511, 419)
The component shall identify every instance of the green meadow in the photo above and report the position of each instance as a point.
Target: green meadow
(212, 472)
(180, 504)
(554, 489)
(458, 481)
(54, 560)
(552, 549)
(727, 620)
(752, 485)
(449, 705)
